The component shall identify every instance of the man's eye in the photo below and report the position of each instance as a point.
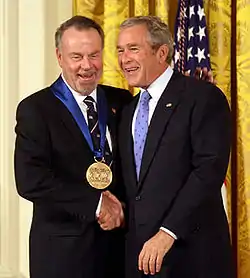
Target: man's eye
(76, 57)
(93, 56)
(134, 49)
(120, 51)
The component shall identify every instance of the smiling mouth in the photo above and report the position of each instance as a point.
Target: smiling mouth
(86, 76)
(131, 70)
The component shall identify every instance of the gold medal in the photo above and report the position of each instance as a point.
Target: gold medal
(99, 175)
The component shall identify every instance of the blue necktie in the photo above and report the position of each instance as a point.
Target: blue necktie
(141, 129)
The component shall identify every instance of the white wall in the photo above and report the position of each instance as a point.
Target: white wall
(27, 64)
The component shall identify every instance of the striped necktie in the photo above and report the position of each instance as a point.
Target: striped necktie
(94, 129)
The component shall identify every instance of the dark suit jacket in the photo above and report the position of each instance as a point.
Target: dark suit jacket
(183, 167)
(51, 159)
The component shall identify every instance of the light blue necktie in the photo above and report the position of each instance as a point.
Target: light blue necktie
(141, 129)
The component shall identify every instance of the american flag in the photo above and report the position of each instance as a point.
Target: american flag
(192, 46)
(191, 40)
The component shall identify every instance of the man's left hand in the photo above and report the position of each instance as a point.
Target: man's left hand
(153, 252)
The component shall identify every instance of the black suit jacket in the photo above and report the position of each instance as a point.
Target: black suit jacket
(183, 167)
(51, 160)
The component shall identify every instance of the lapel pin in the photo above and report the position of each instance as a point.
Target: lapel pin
(169, 105)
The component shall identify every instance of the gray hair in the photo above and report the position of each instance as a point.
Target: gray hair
(158, 31)
(80, 23)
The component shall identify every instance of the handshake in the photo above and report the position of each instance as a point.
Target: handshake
(111, 214)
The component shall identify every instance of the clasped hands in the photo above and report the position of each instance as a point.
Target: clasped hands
(111, 214)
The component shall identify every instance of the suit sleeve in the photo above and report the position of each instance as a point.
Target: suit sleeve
(210, 133)
(36, 180)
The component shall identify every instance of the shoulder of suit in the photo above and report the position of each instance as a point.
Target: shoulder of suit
(43, 96)
(108, 88)
(117, 94)
(199, 88)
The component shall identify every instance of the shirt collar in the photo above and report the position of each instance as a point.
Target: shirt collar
(78, 97)
(158, 86)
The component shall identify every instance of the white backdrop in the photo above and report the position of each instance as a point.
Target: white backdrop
(27, 64)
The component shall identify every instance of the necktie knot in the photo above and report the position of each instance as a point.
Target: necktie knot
(89, 101)
(145, 97)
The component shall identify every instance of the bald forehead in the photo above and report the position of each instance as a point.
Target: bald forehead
(84, 36)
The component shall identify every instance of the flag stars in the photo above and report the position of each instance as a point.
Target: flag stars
(191, 43)
(190, 32)
(191, 11)
(200, 54)
(200, 12)
(201, 32)
(176, 56)
(190, 55)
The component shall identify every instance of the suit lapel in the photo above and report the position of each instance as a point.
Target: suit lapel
(69, 122)
(111, 120)
(162, 114)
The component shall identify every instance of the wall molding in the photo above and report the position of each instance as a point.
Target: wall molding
(8, 97)
(6, 273)
(26, 65)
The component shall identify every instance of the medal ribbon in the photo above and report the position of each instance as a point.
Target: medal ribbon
(63, 93)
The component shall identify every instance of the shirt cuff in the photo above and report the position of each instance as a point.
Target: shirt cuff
(97, 212)
(169, 232)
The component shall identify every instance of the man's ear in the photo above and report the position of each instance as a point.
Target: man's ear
(163, 53)
(59, 56)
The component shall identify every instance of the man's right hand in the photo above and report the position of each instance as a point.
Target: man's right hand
(111, 214)
(203, 74)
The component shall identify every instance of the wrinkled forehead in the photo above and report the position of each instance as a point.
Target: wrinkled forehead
(81, 38)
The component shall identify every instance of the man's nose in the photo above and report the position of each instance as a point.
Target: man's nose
(125, 57)
(85, 63)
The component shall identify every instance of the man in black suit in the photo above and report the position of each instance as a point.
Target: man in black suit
(63, 132)
(174, 141)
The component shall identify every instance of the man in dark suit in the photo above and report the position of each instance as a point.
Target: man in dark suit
(174, 141)
(63, 131)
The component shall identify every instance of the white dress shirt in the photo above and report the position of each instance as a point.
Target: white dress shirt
(83, 107)
(155, 90)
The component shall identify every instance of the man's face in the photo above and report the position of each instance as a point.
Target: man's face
(140, 64)
(80, 57)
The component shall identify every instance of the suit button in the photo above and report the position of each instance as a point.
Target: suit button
(138, 198)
